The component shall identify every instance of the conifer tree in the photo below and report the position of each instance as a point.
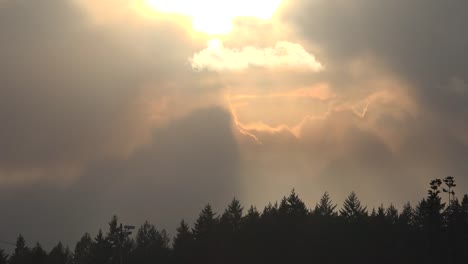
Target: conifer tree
(252, 216)
(151, 245)
(3, 257)
(429, 212)
(22, 254)
(83, 250)
(232, 216)
(183, 238)
(38, 254)
(270, 211)
(59, 255)
(183, 243)
(464, 205)
(373, 213)
(352, 209)
(205, 224)
(207, 242)
(391, 215)
(115, 236)
(406, 217)
(101, 250)
(380, 216)
(120, 243)
(449, 185)
(293, 206)
(325, 207)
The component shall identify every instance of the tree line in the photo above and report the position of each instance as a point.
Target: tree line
(434, 231)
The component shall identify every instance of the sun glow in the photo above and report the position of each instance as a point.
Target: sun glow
(216, 16)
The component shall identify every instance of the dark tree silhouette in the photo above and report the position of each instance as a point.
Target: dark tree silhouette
(253, 216)
(151, 245)
(325, 207)
(206, 237)
(39, 255)
(288, 232)
(121, 246)
(101, 250)
(183, 244)
(429, 212)
(22, 254)
(391, 215)
(59, 255)
(83, 250)
(406, 218)
(205, 224)
(232, 216)
(380, 216)
(450, 184)
(293, 206)
(229, 226)
(352, 210)
(3, 257)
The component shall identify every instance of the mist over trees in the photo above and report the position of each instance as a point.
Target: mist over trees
(433, 231)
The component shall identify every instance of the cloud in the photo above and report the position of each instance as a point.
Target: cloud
(284, 54)
(423, 41)
(74, 92)
(102, 97)
(398, 118)
(192, 161)
(219, 22)
(104, 118)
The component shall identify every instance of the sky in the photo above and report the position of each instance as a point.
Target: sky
(150, 109)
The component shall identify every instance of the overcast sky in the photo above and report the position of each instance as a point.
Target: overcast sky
(149, 109)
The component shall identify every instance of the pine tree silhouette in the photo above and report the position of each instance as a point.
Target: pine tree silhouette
(207, 242)
(284, 233)
(183, 244)
(232, 216)
(59, 255)
(391, 215)
(22, 254)
(293, 206)
(205, 224)
(101, 250)
(252, 216)
(406, 218)
(39, 255)
(325, 207)
(3, 257)
(352, 210)
(83, 250)
(151, 245)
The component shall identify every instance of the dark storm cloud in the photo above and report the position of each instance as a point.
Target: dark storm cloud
(192, 162)
(424, 41)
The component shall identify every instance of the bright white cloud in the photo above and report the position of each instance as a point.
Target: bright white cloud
(284, 54)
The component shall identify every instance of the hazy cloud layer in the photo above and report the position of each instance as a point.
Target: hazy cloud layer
(73, 92)
(193, 161)
(107, 107)
(405, 129)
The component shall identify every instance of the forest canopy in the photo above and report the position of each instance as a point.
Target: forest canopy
(433, 231)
